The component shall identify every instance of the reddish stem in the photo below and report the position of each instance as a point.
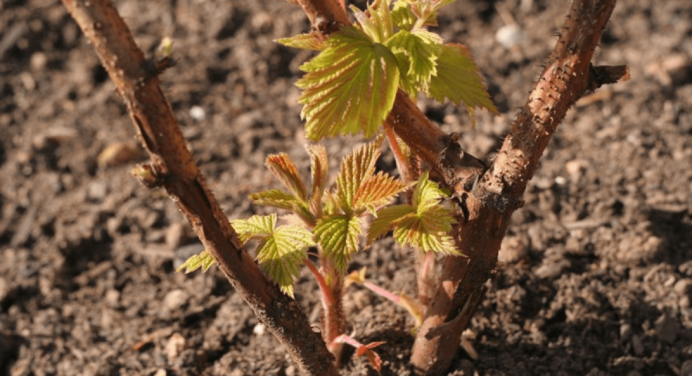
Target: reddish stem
(402, 161)
(382, 292)
(326, 292)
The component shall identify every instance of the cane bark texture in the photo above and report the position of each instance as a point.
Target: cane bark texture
(173, 168)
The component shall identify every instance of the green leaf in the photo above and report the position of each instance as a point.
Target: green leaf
(310, 41)
(285, 170)
(377, 23)
(355, 168)
(203, 260)
(349, 87)
(377, 191)
(282, 200)
(420, 50)
(281, 254)
(425, 225)
(387, 218)
(459, 80)
(256, 227)
(337, 236)
(402, 16)
(319, 165)
(281, 250)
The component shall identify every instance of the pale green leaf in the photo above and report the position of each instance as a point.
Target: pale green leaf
(402, 16)
(355, 169)
(256, 227)
(458, 79)
(349, 87)
(282, 200)
(377, 22)
(376, 191)
(413, 231)
(387, 218)
(424, 225)
(415, 14)
(285, 170)
(427, 193)
(337, 236)
(281, 254)
(310, 41)
(202, 260)
(419, 51)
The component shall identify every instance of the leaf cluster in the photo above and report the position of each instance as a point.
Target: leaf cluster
(351, 85)
(331, 219)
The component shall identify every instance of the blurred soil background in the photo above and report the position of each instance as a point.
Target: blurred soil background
(597, 266)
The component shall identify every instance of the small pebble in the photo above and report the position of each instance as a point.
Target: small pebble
(509, 35)
(38, 61)
(197, 113)
(175, 299)
(175, 345)
(258, 329)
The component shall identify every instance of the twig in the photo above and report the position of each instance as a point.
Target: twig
(173, 168)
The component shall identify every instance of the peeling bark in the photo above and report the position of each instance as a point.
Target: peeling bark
(173, 168)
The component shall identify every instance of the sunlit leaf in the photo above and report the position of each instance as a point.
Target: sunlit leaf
(458, 79)
(281, 250)
(337, 236)
(377, 22)
(310, 41)
(424, 225)
(255, 227)
(281, 254)
(282, 200)
(376, 191)
(285, 170)
(355, 169)
(402, 16)
(387, 218)
(419, 51)
(349, 87)
(202, 260)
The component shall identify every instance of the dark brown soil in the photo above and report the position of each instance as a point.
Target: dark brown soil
(597, 276)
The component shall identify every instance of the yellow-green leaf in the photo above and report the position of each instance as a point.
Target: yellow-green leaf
(282, 200)
(424, 225)
(418, 50)
(387, 218)
(202, 260)
(256, 227)
(349, 87)
(337, 236)
(281, 254)
(310, 41)
(458, 79)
